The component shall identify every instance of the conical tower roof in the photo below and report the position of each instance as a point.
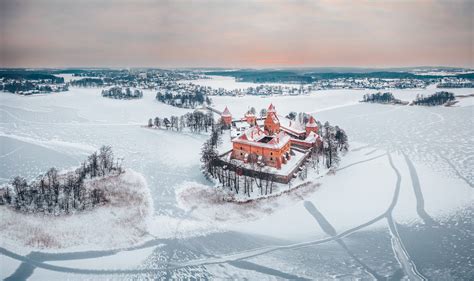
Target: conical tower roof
(311, 123)
(226, 112)
(271, 108)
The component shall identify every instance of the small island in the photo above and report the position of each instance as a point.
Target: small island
(122, 94)
(384, 98)
(99, 204)
(257, 157)
(439, 98)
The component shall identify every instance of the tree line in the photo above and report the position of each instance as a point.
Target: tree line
(119, 93)
(55, 193)
(87, 82)
(196, 121)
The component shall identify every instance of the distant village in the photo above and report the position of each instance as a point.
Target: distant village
(178, 83)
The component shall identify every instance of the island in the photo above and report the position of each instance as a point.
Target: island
(256, 156)
(99, 204)
(122, 94)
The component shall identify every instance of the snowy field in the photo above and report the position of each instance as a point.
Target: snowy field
(399, 205)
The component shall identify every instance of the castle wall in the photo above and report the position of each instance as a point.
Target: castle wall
(271, 157)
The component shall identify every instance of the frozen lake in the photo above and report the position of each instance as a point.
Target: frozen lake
(399, 206)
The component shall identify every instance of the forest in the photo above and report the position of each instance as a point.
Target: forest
(308, 76)
(56, 193)
(36, 75)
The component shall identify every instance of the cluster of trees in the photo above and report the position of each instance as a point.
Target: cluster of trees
(87, 82)
(119, 93)
(184, 100)
(380, 98)
(301, 117)
(438, 98)
(334, 141)
(54, 193)
(15, 86)
(196, 121)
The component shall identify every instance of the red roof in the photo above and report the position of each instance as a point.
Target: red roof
(311, 123)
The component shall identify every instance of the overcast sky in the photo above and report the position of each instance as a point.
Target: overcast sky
(58, 33)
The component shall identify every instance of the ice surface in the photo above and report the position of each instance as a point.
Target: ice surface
(38, 132)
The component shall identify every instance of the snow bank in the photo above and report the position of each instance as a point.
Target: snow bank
(216, 204)
(121, 222)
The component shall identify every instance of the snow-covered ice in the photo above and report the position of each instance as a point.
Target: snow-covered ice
(426, 151)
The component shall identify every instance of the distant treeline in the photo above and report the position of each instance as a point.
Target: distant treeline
(30, 88)
(448, 85)
(438, 98)
(30, 75)
(119, 93)
(265, 76)
(54, 193)
(269, 76)
(87, 82)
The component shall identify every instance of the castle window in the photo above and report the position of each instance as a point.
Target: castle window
(241, 153)
(271, 153)
(271, 158)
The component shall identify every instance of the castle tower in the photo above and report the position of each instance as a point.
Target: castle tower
(271, 108)
(250, 118)
(311, 126)
(226, 117)
(272, 124)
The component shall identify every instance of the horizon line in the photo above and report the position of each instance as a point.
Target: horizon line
(240, 68)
